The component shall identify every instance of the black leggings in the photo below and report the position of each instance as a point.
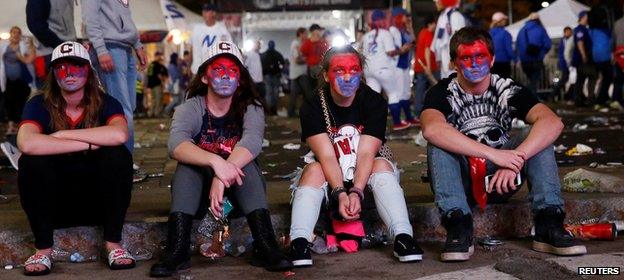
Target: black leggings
(83, 188)
(16, 95)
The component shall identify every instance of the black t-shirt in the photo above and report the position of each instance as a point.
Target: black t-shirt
(218, 135)
(367, 114)
(36, 113)
(153, 71)
(485, 118)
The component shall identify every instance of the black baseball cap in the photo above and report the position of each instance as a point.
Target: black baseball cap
(315, 27)
(209, 7)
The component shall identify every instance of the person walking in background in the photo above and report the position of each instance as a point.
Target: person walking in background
(582, 59)
(532, 45)
(157, 75)
(141, 100)
(426, 69)
(380, 70)
(403, 36)
(115, 40)
(618, 53)
(205, 34)
(272, 65)
(602, 50)
(313, 49)
(503, 50)
(185, 71)
(299, 82)
(51, 22)
(564, 63)
(15, 76)
(449, 22)
(175, 75)
(254, 65)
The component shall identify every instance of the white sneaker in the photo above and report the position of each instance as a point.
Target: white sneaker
(11, 152)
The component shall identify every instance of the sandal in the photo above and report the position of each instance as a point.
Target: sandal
(119, 254)
(38, 259)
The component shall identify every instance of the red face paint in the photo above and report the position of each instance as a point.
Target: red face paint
(344, 73)
(223, 75)
(474, 60)
(71, 76)
(399, 21)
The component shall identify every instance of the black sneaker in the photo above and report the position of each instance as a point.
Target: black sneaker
(300, 253)
(551, 237)
(458, 246)
(406, 249)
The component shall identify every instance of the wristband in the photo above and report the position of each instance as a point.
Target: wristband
(357, 191)
(335, 193)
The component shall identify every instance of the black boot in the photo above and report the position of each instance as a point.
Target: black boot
(551, 237)
(266, 251)
(176, 255)
(459, 231)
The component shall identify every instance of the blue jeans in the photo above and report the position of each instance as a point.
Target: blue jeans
(422, 85)
(450, 178)
(120, 83)
(273, 84)
(533, 71)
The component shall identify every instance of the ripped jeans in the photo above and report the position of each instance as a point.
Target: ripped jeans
(387, 193)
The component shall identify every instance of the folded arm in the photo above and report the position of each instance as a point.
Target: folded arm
(31, 141)
(113, 134)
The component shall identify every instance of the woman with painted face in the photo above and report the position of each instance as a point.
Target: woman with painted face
(344, 126)
(72, 140)
(216, 136)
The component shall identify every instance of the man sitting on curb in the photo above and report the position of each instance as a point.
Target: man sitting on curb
(466, 119)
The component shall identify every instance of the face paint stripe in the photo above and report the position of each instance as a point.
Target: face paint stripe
(345, 73)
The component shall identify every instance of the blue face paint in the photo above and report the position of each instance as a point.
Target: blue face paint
(477, 71)
(474, 61)
(224, 86)
(224, 75)
(348, 87)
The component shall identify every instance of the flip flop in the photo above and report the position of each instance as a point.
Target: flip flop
(118, 254)
(38, 259)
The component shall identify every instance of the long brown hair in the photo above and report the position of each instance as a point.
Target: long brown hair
(91, 101)
(245, 95)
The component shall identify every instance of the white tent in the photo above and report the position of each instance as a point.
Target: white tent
(147, 15)
(555, 17)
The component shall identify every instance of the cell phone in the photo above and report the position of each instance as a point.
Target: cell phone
(489, 177)
(227, 207)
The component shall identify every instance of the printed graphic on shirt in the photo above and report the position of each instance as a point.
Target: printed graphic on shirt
(209, 40)
(345, 146)
(218, 135)
(485, 118)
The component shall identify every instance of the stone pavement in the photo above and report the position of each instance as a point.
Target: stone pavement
(144, 230)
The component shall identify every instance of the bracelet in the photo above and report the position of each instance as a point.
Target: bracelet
(337, 191)
(357, 191)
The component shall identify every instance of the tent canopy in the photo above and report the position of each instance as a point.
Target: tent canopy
(147, 15)
(555, 18)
